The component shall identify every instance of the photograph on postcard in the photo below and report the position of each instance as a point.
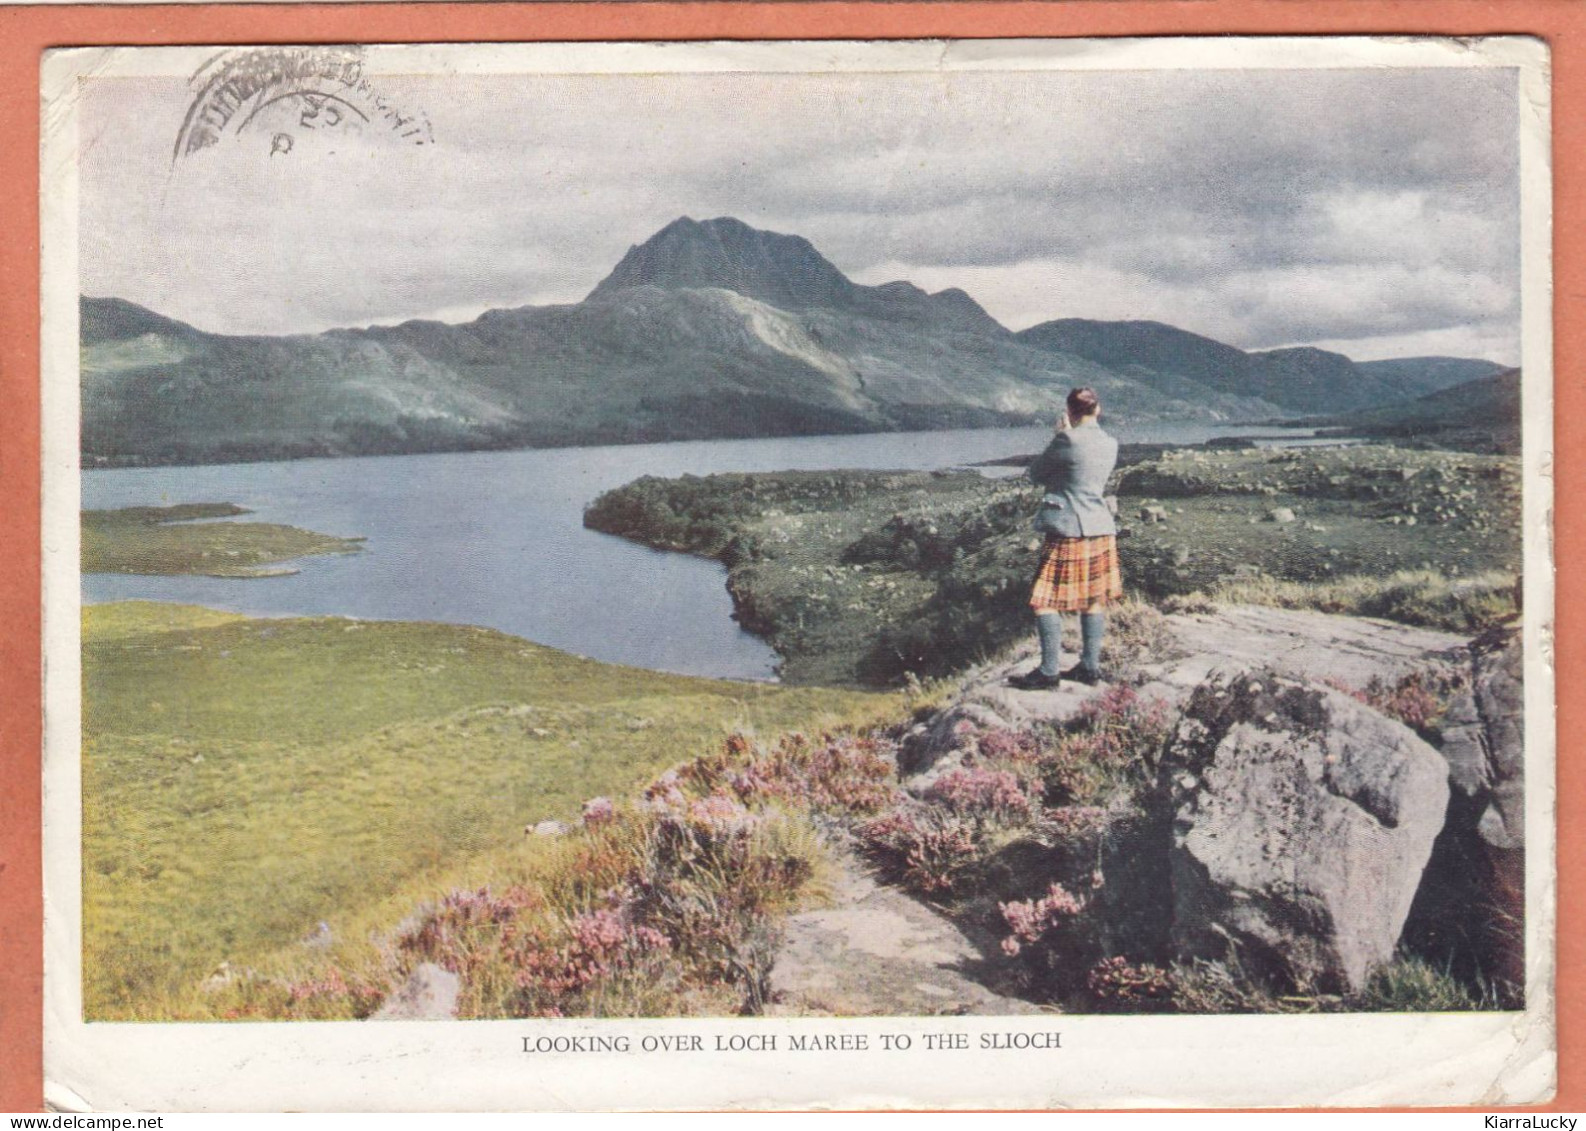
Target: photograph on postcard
(802, 532)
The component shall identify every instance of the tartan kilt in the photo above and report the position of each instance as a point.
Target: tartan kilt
(1077, 575)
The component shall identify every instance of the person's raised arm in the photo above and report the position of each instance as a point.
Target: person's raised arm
(1052, 463)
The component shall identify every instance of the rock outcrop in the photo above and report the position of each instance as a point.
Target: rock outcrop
(1336, 650)
(932, 748)
(1350, 651)
(1302, 822)
(1485, 740)
(1298, 828)
(1473, 901)
(875, 952)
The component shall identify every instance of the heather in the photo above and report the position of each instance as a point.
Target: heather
(575, 839)
(668, 897)
(1049, 842)
(1419, 699)
(668, 901)
(664, 903)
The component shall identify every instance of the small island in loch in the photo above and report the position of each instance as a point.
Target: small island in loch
(184, 539)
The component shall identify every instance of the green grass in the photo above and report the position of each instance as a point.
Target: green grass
(246, 779)
(170, 540)
(1412, 985)
(1407, 984)
(1418, 597)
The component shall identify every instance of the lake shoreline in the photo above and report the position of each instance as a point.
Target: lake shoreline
(497, 539)
(991, 422)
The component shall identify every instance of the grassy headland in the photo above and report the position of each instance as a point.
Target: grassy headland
(244, 780)
(864, 576)
(171, 540)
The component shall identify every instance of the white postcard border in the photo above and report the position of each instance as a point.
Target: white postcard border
(1349, 1060)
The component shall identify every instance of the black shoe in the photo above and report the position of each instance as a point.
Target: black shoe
(1090, 677)
(1035, 680)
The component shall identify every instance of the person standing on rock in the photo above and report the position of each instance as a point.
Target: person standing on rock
(1079, 561)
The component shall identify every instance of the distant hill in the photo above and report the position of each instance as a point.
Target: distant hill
(1309, 380)
(1149, 346)
(1302, 380)
(707, 329)
(785, 271)
(782, 271)
(1422, 375)
(1478, 416)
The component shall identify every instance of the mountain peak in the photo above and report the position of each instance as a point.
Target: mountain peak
(783, 270)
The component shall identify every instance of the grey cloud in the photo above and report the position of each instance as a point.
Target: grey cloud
(1214, 187)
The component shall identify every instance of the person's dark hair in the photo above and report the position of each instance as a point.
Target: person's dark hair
(1081, 403)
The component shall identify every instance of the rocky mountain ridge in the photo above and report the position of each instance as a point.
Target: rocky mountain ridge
(709, 329)
(1479, 415)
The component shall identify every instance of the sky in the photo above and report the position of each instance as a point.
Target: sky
(1375, 212)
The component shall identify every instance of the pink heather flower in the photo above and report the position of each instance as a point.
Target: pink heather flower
(720, 813)
(599, 930)
(648, 938)
(1115, 979)
(1029, 919)
(1012, 745)
(666, 783)
(1010, 946)
(966, 790)
(598, 810)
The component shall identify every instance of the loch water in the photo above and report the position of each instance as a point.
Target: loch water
(497, 538)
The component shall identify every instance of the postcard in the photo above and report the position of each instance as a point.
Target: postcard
(1006, 573)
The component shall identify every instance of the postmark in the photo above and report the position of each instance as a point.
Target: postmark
(273, 96)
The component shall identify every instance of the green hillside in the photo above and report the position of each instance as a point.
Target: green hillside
(244, 780)
(1477, 416)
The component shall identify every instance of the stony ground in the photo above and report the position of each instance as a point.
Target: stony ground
(877, 951)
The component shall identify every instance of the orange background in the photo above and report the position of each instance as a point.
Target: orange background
(26, 32)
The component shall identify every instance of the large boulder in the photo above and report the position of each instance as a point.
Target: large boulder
(985, 705)
(1301, 823)
(1302, 643)
(1472, 906)
(1484, 740)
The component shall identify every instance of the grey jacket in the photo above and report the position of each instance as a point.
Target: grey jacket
(1074, 470)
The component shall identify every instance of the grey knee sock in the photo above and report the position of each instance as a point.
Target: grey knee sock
(1092, 627)
(1050, 627)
